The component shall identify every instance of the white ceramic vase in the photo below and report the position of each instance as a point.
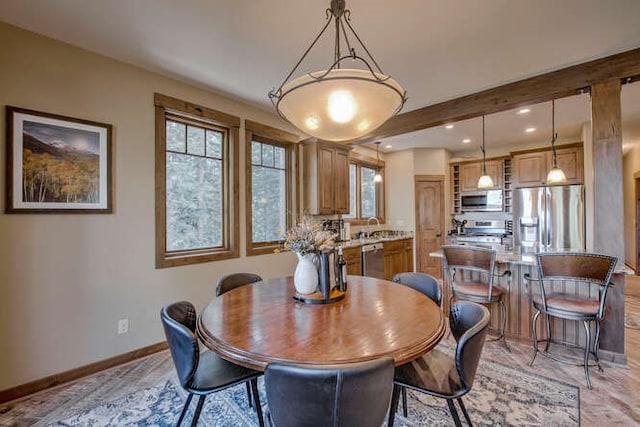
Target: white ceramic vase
(305, 278)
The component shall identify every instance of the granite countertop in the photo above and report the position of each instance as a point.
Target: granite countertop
(376, 239)
(530, 259)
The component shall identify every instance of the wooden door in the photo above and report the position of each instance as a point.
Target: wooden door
(530, 169)
(570, 160)
(326, 194)
(469, 175)
(494, 170)
(353, 257)
(429, 194)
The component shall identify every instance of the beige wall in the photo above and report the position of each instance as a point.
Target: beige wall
(630, 166)
(401, 168)
(65, 280)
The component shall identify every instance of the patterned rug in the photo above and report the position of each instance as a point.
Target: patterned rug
(500, 396)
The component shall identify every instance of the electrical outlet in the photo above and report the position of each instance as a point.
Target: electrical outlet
(123, 326)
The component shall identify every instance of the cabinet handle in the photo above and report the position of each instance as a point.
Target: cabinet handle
(439, 234)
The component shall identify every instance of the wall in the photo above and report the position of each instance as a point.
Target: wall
(65, 280)
(630, 167)
(401, 168)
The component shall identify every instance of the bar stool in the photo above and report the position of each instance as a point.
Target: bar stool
(479, 286)
(587, 271)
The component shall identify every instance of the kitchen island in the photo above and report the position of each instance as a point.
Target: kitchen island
(520, 310)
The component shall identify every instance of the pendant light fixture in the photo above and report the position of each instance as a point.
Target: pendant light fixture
(377, 177)
(339, 104)
(485, 180)
(555, 175)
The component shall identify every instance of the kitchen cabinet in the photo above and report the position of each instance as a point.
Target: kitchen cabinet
(398, 257)
(353, 257)
(326, 178)
(472, 171)
(530, 168)
(464, 177)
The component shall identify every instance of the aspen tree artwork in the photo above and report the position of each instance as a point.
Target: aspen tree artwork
(57, 164)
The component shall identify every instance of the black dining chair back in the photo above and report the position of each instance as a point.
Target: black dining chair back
(439, 375)
(590, 274)
(234, 280)
(427, 285)
(200, 373)
(421, 282)
(357, 394)
(469, 323)
(230, 282)
(179, 322)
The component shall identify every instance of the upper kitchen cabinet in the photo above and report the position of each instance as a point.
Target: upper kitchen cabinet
(465, 176)
(470, 172)
(326, 178)
(530, 167)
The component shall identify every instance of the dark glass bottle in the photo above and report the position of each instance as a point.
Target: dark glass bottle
(341, 271)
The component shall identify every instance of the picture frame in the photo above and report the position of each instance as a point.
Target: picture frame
(57, 164)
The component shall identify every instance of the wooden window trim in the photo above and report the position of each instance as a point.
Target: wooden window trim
(359, 161)
(286, 140)
(164, 106)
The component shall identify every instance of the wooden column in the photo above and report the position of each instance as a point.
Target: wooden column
(608, 201)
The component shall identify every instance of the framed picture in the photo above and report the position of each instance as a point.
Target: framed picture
(57, 164)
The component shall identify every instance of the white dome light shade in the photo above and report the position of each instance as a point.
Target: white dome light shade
(555, 176)
(343, 105)
(485, 181)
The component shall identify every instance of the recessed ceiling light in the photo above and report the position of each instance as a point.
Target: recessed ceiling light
(529, 130)
(449, 127)
(466, 141)
(524, 111)
(388, 146)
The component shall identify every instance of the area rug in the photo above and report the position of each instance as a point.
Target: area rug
(501, 396)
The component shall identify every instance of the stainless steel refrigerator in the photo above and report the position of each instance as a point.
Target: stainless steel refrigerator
(549, 218)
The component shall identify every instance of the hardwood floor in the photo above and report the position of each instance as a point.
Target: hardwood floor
(614, 400)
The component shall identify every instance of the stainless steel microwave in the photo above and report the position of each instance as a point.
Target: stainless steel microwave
(481, 201)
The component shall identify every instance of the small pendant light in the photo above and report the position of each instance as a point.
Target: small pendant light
(485, 180)
(377, 177)
(555, 175)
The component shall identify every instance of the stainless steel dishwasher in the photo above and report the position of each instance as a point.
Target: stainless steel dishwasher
(373, 260)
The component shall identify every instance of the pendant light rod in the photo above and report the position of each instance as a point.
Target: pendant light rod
(484, 153)
(554, 135)
(485, 181)
(378, 176)
(336, 103)
(555, 175)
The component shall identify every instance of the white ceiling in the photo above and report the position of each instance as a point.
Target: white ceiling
(437, 49)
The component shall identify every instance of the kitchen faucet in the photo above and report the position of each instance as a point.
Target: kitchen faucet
(369, 224)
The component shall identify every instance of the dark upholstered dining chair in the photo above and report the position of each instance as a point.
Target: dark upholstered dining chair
(354, 394)
(441, 376)
(429, 286)
(232, 281)
(591, 274)
(201, 373)
(421, 282)
(479, 286)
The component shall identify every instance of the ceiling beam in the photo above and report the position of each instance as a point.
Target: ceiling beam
(545, 87)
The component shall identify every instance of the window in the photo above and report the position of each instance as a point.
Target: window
(366, 197)
(196, 171)
(270, 186)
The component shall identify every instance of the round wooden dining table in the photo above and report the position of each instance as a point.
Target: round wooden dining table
(257, 324)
